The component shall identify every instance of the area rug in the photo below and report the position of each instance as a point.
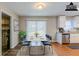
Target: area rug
(35, 51)
(73, 47)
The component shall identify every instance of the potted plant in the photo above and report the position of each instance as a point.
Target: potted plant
(22, 35)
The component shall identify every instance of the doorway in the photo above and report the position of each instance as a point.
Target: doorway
(5, 33)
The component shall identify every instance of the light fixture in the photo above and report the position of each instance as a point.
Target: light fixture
(39, 5)
(71, 7)
(78, 8)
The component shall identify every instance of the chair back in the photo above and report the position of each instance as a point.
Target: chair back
(49, 38)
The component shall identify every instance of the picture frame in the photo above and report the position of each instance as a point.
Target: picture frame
(16, 25)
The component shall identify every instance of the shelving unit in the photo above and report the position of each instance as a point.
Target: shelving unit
(5, 33)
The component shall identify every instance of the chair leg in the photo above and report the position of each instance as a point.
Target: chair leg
(44, 49)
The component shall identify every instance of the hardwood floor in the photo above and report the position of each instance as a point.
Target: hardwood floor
(58, 50)
(63, 50)
(34, 51)
(13, 51)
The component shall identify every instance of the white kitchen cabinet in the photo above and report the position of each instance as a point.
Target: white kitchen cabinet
(74, 38)
(61, 21)
(76, 18)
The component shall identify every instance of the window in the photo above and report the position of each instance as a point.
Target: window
(70, 24)
(36, 29)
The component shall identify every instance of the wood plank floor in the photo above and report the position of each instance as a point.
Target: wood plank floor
(63, 50)
(58, 50)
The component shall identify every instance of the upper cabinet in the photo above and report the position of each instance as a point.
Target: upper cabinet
(76, 18)
(61, 21)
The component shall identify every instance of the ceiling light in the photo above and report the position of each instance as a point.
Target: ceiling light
(71, 7)
(39, 6)
(78, 8)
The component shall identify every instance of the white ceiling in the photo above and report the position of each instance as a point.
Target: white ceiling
(27, 9)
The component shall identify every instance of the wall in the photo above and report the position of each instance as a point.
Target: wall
(51, 24)
(14, 35)
(51, 27)
(22, 23)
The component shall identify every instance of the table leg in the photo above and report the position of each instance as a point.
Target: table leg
(29, 50)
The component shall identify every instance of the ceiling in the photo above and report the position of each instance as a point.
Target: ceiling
(27, 9)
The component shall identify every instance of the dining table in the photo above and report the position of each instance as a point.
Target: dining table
(36, 42)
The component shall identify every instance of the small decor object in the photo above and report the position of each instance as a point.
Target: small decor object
(61, 30)
(36, 34)
(71, 7)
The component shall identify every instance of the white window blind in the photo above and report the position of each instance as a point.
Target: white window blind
(36, 29)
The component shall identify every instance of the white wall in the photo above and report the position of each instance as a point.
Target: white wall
(51, 27)
(14, 35)
(51, 24)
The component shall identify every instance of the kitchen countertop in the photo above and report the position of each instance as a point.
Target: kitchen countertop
(70, 33)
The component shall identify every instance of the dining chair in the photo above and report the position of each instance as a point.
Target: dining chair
(48, 42)
(49, 38)
(26, 43)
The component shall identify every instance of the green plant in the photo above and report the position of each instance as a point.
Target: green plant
(22, 34)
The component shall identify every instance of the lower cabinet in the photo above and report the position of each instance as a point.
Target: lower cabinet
(74, 38)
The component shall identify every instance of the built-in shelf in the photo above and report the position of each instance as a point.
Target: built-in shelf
(5, 33)
(5, 24)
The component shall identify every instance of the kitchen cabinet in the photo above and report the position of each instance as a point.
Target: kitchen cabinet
(61, 21)
(63, 38)
(74, 38)
(76, 18)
